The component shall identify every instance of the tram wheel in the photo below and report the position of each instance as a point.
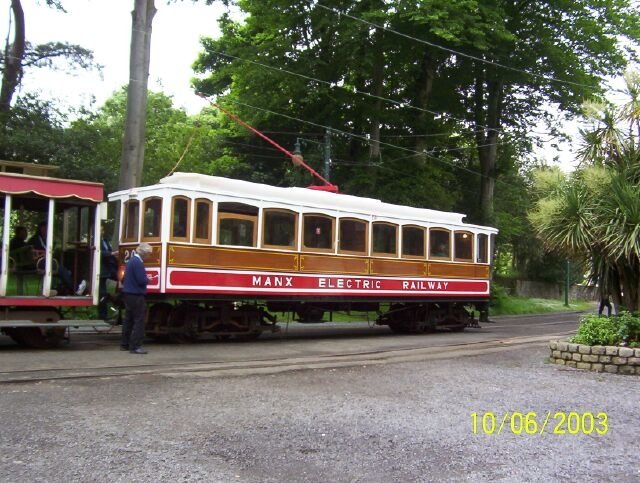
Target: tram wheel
(399, 329)
(310, 315)
(249, 336)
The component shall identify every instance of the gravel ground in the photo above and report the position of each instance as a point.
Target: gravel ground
(397, 422)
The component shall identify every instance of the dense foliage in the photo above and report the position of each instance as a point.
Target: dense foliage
(595, 212)
(623, 328)
(436, 104)
(428, 104)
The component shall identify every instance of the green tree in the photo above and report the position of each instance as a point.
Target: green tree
(19, 54)
(465, 73)
(93, 142)
(595, 212)
(34, 131)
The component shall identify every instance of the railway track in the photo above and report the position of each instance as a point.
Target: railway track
(272, 365)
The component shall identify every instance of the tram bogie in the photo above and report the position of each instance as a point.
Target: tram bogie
(186, 321)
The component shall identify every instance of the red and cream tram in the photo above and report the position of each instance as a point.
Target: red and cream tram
(65, 216)
(228, 253)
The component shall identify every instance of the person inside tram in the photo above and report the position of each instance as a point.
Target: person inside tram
(441, 251)
(39, 242)
(19, 239)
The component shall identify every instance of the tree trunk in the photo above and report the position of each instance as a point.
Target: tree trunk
(425, 86)
(134, 134)
(13, 58)
(378, 81)
(487, 112)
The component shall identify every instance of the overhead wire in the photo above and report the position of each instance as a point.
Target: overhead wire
(362, 138)
(392, 101)
(355, 90)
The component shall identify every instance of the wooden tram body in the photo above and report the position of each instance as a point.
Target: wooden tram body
(228, 253)
(31, 300)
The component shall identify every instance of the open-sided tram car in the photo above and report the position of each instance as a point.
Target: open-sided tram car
(228, 254)
(32, 302)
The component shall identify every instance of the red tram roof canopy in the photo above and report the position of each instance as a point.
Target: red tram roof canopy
(16, 184)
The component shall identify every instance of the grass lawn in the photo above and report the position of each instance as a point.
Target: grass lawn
(510, 305)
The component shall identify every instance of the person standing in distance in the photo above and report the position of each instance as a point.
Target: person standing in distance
(134, 288)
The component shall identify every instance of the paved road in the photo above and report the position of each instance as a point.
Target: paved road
(369, 421)
(297, 346)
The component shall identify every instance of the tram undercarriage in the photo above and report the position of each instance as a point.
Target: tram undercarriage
(186, 321)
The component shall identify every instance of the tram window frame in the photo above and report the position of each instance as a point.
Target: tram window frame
(198, 222)
(156, 231)
(465, 235)
(365, 242)
(482, 254)
(379, 224)
(432, 256)
(130, 228)
(423, 230)
(331, 238)
(241, 212)
(187, 228)
(266, 232)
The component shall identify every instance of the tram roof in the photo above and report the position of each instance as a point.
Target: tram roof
(18, 184)
(301, 197)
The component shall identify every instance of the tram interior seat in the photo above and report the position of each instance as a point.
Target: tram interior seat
(29, 264)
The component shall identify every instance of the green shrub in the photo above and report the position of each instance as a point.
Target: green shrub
(629, 327)
(499, 295)
(596, 330)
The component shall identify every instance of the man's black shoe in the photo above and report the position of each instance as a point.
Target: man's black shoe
(139, 350)
(124, 347)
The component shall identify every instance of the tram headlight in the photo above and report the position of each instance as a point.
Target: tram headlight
(120, 273)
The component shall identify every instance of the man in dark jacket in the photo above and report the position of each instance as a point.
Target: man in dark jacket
(134, 288)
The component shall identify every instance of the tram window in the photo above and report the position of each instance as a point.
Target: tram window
(385, 239)
(463, 246)
(180, 219)
(237, 224)
(202, 226)
(151, 219)
(237, 232)
(131, 220)
(483, 245)
(279, 228)
(318, 232)
(439, 243)
(413, 241)
(353, 236)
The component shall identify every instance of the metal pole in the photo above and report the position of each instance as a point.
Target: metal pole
(566, 283)
(327, 154)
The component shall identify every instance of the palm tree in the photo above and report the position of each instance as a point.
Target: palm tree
(595, 212)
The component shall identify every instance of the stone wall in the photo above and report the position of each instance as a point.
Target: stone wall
(545, 290)
(613, 359)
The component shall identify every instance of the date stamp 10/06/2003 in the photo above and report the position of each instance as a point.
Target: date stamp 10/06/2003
(531, 423)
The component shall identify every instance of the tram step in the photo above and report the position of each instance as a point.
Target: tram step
(63, 323)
